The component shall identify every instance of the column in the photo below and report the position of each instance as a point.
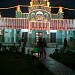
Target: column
(73, 34)
(9, 35)
(0, 36)
(59, 36)
(65, 34)
(13, 36)
(6, 36)
(48, 39)
(30, 37)
(33, 36)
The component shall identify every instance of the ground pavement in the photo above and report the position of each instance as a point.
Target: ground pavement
(56, 67)
(53, 65)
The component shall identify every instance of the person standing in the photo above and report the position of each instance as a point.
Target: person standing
(65, 43)
(39, 44)
(19, 43)
(44, 48)
(24, 41)
(23, 44)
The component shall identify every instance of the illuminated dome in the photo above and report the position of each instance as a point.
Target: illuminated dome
(39, 12)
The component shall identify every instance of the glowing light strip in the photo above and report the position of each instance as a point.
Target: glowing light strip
(37, 5)
(63, 24)
(7, 8)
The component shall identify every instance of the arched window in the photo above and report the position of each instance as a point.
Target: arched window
(32, 16)
(39, 16)
(46, 16)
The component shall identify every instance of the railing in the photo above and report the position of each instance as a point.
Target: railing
(14, 23)
(23, 23)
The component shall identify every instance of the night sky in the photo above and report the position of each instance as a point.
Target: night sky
(11, 12)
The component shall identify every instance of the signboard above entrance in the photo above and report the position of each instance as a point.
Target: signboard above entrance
(39, 25)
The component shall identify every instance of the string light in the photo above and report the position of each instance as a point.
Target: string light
(69, 9)
(24, 5)
(53, 7)
(37, 5)
(7, 8)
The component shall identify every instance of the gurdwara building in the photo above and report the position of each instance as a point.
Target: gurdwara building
(38, 22)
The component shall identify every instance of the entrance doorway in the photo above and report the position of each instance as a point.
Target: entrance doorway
(24, 34)
(53, 38)
(38, 34)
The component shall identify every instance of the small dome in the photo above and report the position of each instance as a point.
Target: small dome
(39, 12)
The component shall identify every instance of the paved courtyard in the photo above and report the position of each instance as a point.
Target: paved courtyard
(53, 65)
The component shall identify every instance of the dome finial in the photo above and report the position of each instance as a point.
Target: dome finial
(18, 8)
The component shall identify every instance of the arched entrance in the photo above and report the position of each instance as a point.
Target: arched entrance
(38, 34)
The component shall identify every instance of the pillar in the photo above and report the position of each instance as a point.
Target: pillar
(65, 34)
(73, 34)
(0, 36)
(30, 37)
(0, 39)
(13, 36)
(48, 39)
(59, 36)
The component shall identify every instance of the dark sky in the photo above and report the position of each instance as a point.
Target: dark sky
(11, 12)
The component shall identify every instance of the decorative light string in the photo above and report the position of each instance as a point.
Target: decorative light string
(37, 5)
(8, 8)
